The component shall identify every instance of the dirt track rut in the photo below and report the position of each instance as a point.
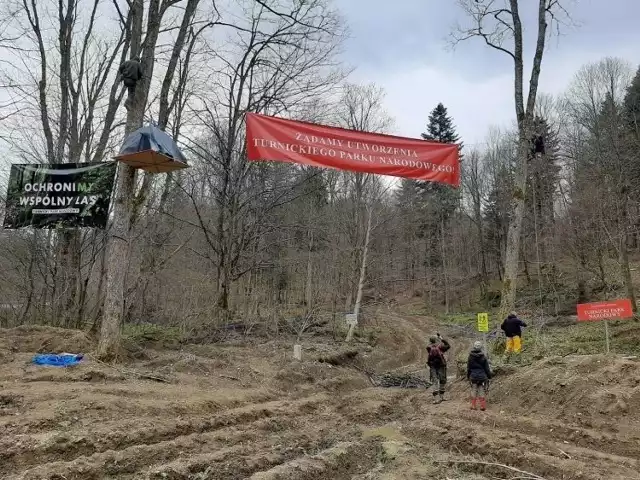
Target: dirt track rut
(128, 429)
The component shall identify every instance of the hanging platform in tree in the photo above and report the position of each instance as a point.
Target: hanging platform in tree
(152, 150)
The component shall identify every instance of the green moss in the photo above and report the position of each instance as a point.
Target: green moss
(518, 194)
(148, 334)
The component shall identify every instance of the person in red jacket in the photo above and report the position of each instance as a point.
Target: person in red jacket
(437, 366)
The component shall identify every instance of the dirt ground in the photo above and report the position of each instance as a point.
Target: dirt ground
(250, 412)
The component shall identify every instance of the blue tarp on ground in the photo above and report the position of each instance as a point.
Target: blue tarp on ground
(62, 360)
(152, 138)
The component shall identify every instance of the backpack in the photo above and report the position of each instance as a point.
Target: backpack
(436, 357)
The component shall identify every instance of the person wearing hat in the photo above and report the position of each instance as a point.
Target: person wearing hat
(437, 366)
(479, 374)
(512, 327)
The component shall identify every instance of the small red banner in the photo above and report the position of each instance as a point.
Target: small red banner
(613, 310)
(280, 140)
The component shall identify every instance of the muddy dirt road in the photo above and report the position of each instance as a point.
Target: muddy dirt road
(238, 412)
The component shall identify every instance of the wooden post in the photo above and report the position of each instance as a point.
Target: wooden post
(606, 334)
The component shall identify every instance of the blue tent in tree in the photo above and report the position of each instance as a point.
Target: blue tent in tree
(151, 149)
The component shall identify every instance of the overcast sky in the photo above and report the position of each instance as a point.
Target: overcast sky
(403, 46)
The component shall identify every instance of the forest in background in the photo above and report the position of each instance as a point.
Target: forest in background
(273, 247)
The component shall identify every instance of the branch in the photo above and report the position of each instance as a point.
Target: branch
(292, 16)
(529, 476)
(34, 21)
(482, 13)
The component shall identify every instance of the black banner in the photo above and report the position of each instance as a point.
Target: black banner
(65, 195)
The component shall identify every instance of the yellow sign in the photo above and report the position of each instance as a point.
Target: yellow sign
(483, 322)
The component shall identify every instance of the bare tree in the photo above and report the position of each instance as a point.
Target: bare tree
(361, 108)
(497, 22)
(279, 62)
(143, 43)
(57, 65)
(474, 180)
(593, 104)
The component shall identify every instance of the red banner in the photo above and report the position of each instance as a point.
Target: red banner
(280, 140)
(613, 310)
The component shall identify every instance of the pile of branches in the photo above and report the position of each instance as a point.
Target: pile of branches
(402, 380)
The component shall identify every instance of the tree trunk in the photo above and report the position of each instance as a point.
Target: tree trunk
(624, 253)
(445, 277)
(512, 253)
(601, 270)
(69, 252)
(582, 282)
(223, 289)
(363, 274)
(524, 115)
(309, 285)
(525, 263)
(484, 274)
(118, 240)
(117, 264)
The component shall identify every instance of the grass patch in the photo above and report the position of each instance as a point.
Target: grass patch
(584, 338)
(462, 319)
(468, 320)
(153, 336)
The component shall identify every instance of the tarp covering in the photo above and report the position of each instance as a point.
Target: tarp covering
(280, 140)
(152, 138)
(61, 360)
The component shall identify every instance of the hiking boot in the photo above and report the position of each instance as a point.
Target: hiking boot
(474, 404)
(437, 400)
(483, 404)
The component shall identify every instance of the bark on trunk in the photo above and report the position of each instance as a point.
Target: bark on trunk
(70, 272)
(512, 253)
(445, 277)
(484, 274)
(118, 239)
(524, 115)
(309, 285)
(582, 280)
(363, 274)
(624, 253)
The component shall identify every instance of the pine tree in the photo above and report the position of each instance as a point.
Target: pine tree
(440, 127)
(620, 163)
(631, 112)
(432, 204)
(632, 105)
(443, 199)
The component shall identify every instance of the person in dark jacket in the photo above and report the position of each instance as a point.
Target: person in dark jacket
(130, 74)
(479, 374)
(512, 327)
(438, 366)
